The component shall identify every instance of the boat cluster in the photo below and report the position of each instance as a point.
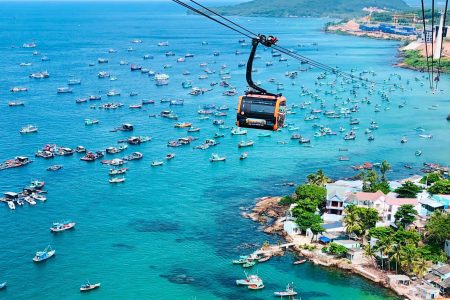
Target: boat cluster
(29, 194)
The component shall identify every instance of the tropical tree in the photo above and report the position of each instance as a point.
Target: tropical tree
(384, 245)
(370, 252)
(395, 255)
(440, 187)
(408, 190)
(431, 178)
(408, 256)
(438, 228)
(405, 215)
(385, 167)
(319, 178)
(337, 249)
(315, 194)
(421, 266)
(316, 228)
(352, 220)
(372, 177)
(306, 219)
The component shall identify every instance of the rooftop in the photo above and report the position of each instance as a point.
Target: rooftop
(363, 196)
(402, 201)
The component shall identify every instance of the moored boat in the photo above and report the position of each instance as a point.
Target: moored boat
(216, 158)
(89, 286)
(58, 227)
(117, 180)
(288, 292)
(28, 129)
(47, 253)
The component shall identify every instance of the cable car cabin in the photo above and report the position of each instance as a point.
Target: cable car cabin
(261, 111)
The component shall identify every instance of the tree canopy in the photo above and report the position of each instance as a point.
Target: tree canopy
(408, 190)
(440, 187)
(405, 215)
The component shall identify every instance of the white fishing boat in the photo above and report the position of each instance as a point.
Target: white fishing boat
(216, 158)
(288, 292)
(238, 131)
(117, 180)
(28, 129)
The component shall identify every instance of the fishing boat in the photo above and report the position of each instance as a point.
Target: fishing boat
(243, 144)
(103, 74)
(218, 135)
(304, 140)
(11, 205)
(94, 98)
(252, 282)
(54, 168)
(112, 93)
(249, 263)
(90, 122)
(3, 285)
(44, 255)
(426, 136)
(74, 82)
(418, 153)
(288, 292)
(117, 180)
(63, 90)
(17, 89)
(157, 163)
(16, 103)
(238, 131)
(170, 156)
(119, 171)
(38, 197)
(216, 158)
(40, 75)
(299, 262)
(404, 140)
(371, 138)
(183, 125)
(186, 84)
(243, 156)
(80, 149)
(28, 129)
(89, 287)
(145, 102)
(29, 200)
(58, 227)
(194, 129)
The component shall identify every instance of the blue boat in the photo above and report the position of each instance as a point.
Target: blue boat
(44, 255)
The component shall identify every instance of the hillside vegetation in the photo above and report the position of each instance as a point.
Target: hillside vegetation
(310, 8)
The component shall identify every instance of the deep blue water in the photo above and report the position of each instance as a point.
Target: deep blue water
(182, 218)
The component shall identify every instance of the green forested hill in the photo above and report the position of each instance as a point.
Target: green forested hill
(311, 8)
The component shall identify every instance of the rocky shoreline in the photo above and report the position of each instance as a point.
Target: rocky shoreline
(268, 212)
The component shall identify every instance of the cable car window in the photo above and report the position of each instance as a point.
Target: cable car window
(255, 105)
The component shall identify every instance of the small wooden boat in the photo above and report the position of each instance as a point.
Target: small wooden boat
(157, 163)
(58, 227)
(117, 180)
(299, 262)
(54, 168)
(170, 156)
(245, 144)
(89, 287)
(113, 172)
(243, 156)
(3, 285)
(249, 264)
(216, 158)
(418, 153)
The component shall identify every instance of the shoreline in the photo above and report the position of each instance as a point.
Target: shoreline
(267, 212)
(351, 28)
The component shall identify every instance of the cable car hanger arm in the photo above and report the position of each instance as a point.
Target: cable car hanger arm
(268, 42)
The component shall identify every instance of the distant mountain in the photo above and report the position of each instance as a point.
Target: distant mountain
(309, 8)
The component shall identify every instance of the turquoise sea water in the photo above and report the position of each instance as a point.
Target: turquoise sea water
(137, 238)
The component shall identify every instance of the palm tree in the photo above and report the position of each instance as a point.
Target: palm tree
(352, 221)
(408, 256)
(384, 245)
(369, 251)
(420, 266)
(396, 252)
(385, 167)
(319, 178)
